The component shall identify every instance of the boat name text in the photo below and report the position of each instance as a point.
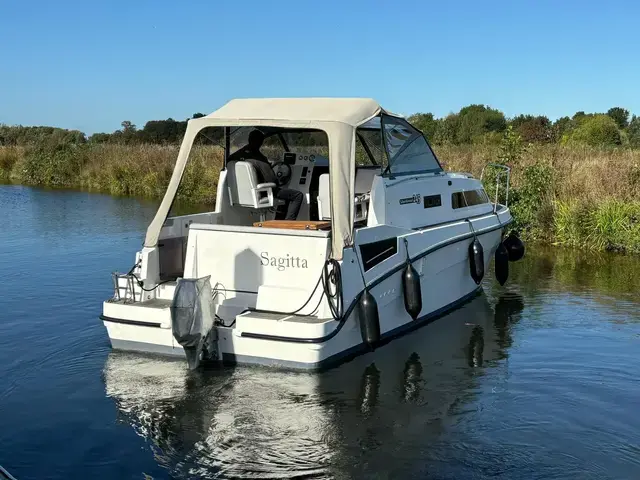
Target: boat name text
(282, 263)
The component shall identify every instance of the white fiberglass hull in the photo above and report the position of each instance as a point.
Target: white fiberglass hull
(441, 259)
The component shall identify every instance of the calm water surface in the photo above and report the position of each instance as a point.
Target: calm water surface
(538, 379)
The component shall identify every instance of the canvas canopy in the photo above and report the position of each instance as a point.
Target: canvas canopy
(337, 117)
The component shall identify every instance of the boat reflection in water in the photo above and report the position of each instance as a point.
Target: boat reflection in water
(378, 413)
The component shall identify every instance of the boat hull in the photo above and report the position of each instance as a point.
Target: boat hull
(445, 281)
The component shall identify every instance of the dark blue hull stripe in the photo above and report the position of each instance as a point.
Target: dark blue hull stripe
(375, 282)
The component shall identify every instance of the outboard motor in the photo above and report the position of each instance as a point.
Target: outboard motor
(192, 320)
(514, 246)
(411, 289)
(502, 264)
(369, 319)
(476, 261)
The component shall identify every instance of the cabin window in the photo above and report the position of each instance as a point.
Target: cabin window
(469, 198)
(376, 252)
(407, 149)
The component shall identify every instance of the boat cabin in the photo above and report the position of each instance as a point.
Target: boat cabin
(354, 163)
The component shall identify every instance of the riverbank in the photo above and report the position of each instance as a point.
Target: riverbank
(579, 196)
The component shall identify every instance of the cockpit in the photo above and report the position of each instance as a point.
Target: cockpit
(299, 160)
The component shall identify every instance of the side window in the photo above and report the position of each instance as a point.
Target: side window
(407, 150)
(369, 147)
(468, 198)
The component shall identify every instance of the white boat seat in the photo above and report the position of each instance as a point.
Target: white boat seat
(364, 179)
(244, 189)
(361, 201)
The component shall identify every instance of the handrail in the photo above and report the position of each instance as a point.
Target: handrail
(506, 170)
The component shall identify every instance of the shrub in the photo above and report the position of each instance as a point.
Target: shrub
(9, 156)
(633, 132)
(476, 120)
(533, 129)
(531, 199)
(597, 131)
(52, 165)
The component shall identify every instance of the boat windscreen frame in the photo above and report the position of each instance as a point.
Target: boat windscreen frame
(387, 171)
(366, 149)
(268, 132)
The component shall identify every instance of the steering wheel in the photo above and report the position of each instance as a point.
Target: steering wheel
(283, 172)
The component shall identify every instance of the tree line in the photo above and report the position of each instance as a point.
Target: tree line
(473, 124)
(482, 124)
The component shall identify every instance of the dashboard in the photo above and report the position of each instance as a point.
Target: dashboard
(305, 171)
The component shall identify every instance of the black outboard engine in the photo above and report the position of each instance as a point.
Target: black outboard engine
(192, 320)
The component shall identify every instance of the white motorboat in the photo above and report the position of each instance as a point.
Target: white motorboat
(385, 241)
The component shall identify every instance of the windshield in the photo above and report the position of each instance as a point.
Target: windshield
(280, 140)
(407, 149)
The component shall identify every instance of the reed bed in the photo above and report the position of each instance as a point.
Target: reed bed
(579, 196)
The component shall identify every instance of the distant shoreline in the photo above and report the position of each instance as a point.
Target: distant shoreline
(572, 195)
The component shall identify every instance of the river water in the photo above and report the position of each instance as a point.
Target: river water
(537, 379)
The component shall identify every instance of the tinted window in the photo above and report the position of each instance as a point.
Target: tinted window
(468, 198)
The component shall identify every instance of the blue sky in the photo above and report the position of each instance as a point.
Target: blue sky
(90, 65)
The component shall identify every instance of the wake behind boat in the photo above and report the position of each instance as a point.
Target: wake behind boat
(383, 240)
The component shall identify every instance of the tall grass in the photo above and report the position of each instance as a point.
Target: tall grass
(572, 195)
(141, 170)
(579, 196)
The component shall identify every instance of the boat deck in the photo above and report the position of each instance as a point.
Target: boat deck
(282, 317)
(159, 303)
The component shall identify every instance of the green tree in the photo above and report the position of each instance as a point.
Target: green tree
(426, 123)
(511, 147)
(578, 116)
(128, 127)
(597, 130)
(446, 130)
(620, 116)
(561, 126)
(633, 132)
(99, 138)
(533, 129)
(476, 120)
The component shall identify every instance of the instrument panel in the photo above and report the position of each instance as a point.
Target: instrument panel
(292, 158)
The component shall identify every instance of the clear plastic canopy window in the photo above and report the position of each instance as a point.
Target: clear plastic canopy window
(407, 149)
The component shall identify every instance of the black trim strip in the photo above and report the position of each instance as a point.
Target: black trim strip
(130, 322)
(238, 291)
(374, 283)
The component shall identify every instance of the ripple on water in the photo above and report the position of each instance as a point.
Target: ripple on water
(534, 380)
